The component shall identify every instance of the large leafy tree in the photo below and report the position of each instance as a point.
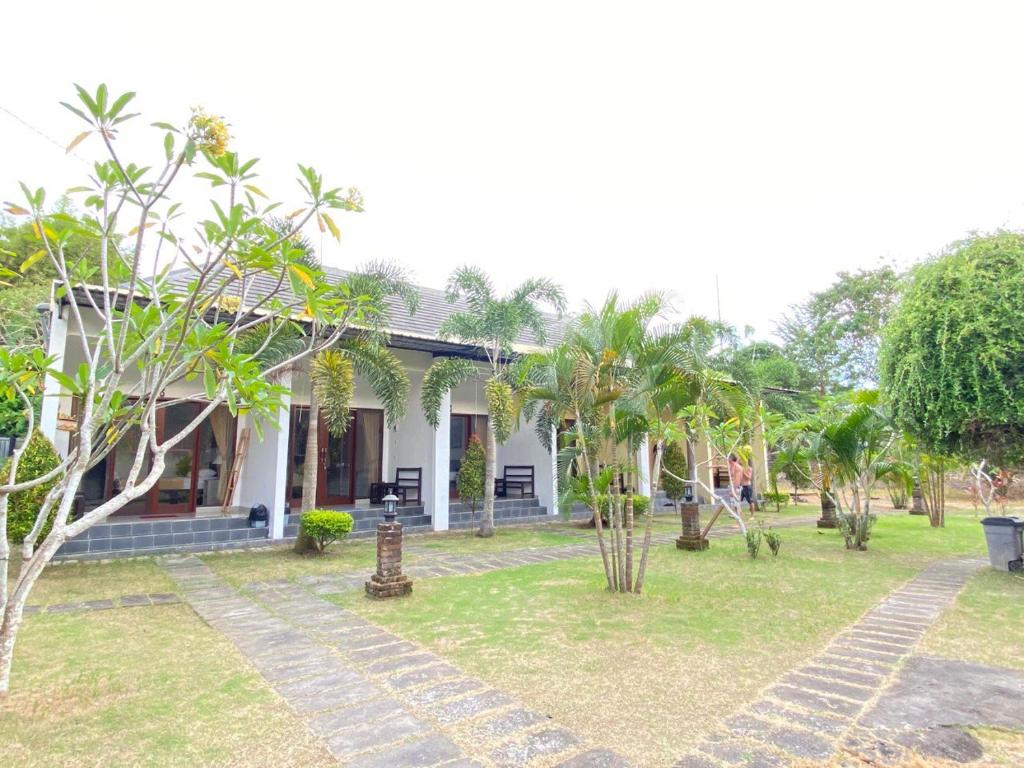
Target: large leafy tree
(953, 352)
(141, 332)
(493, 324)
(834, 334)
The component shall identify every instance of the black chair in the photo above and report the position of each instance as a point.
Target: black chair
(410, 480)
(518, 477)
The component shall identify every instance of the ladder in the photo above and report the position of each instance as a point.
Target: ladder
(236, 468)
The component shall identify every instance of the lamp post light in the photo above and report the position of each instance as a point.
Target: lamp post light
(390, 508)
(388, 580)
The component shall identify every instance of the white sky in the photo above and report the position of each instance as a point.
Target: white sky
(631, 145)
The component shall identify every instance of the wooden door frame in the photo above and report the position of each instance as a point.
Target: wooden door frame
(151, 499)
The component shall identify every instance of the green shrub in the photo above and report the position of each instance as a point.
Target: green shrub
(675, 462)
(640, 504)
(326, 526)
(774, 541)
(753, 542)
(38, 457)
(779, 498)
(470, 482)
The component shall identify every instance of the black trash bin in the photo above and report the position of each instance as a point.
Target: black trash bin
(1005, 539)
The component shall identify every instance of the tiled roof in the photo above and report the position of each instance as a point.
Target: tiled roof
(433, 309)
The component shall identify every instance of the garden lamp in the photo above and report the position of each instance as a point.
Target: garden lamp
(390, 504)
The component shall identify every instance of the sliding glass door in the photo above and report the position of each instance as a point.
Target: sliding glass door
(347, 465)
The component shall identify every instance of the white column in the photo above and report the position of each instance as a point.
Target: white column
(759, 460)
(437, 501)
(51, 387)
(553, 507)
(387, 474)
(264, 476)
(643, 462)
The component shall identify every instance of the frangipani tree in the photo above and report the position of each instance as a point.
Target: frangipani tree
(494, 324)
(142, 331)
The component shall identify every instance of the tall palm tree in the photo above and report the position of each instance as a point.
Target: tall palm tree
(364, 351)
(494, 324)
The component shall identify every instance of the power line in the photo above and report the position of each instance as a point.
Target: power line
(45, 136)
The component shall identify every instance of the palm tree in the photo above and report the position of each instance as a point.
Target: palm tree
(620, 380)
(493, 324)
(855, 445)
(364, 351)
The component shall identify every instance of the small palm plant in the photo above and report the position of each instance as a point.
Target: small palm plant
(856, 446)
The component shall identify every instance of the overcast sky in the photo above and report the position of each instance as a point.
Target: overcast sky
(637, 145)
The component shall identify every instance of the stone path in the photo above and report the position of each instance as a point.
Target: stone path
(374, 699)
(123, 601)
(817, 712)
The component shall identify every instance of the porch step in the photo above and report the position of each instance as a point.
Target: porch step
(116, 539)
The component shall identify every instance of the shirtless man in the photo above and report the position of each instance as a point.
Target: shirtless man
(736, 473)
(747, 491)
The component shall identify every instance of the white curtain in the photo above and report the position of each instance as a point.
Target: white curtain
(221, 425)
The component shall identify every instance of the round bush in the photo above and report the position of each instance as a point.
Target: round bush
(38, 458)
(326, 526)
(952, 354)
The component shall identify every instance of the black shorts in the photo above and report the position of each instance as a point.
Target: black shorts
(747, 494)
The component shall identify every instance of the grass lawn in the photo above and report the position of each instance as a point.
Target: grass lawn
(986, 625)
(648, 675)
(553, 535)
(281, 562)
(142, 686)
(75, 582)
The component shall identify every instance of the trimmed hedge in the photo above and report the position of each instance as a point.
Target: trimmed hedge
(326, 526)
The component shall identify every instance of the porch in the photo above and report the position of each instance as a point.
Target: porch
(136, 535)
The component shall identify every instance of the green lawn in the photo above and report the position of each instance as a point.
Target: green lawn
(711, 629)
(142, 687)
(281, 562)
(553, 535)
(75, 582)
(986, 625)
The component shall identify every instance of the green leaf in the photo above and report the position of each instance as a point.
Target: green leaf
(119, 104)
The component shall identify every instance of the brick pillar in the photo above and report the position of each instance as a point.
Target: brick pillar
(691, 539)
(389, 581)
(828, 512)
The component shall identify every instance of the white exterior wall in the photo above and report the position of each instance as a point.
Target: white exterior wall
(264, 475)
(51, 405)
(523, 448)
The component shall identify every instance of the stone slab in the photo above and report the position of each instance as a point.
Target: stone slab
(421, 753)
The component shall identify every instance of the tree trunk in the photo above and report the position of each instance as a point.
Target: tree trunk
(585, 456)
(655, 481)
(486, 529)
(310, 471)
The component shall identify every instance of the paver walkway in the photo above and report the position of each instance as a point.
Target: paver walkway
(375, 700)
(814, 713)
(122, 601)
